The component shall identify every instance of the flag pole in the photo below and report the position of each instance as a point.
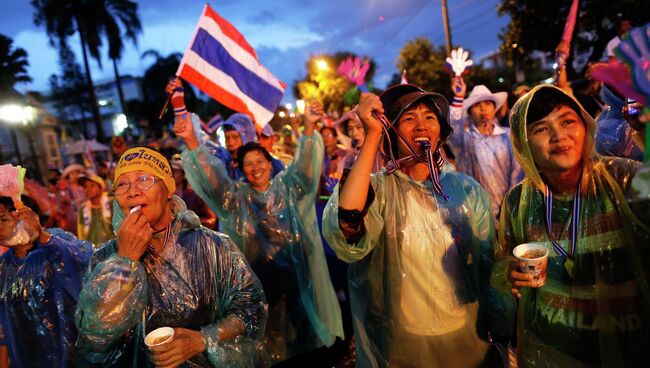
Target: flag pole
(169, 98)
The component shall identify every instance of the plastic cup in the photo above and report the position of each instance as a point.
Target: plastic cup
(533, 259)
(159, 336)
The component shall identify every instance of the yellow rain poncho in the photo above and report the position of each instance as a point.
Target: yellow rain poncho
(599, 316)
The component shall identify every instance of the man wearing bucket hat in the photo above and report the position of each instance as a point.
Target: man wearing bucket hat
(71, 196)
(165, 269)
(94, 219)
(418, 237)
(481, 146)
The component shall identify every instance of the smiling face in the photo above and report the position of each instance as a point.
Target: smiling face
(355, 131)
(482, 112)
(257, 170)
(557, 140)
(417, 124)
(154, 201)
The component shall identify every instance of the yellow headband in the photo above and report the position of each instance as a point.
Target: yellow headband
(148, 160)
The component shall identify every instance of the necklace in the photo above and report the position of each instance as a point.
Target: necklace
(575, 222)
(167, 230)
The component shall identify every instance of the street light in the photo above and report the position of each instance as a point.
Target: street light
(322, 64)
(21, 116)
(17, 114)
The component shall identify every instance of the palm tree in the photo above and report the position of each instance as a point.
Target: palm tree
(62, 19)
(13, 66)
(91, 19)
(108, 18)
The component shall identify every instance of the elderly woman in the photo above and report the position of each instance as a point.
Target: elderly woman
(165, 269)
(273, 221)
(40, 280)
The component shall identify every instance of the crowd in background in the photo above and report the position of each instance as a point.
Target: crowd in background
(341, 246)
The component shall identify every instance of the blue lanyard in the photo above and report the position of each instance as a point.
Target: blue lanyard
(575, 222)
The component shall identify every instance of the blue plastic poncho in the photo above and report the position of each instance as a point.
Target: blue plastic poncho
(419, 275)
(246, 129)
(38, 296)
(488, 159)
(200, 282)
(278, 233)
(600, 316)
(614, 135)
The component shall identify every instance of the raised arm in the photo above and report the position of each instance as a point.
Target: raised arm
(206, 174)
(456, 118)
(354, 193)
(305, 168)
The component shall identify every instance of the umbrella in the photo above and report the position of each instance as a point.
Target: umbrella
(78, 147)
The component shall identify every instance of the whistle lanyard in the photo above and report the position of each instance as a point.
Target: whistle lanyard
(575, 223)
(435, 175)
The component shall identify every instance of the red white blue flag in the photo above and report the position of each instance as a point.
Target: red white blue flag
(220, 62)
(212, 125)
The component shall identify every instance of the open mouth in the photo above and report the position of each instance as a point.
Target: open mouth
(135, 208)
(422, 139)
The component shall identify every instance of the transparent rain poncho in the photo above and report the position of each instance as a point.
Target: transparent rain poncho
(200, 282)
(601, 315)
(278, 233)
(38, 296)
(419, 275)
(246, 129)
(614, 135)
(488, 159)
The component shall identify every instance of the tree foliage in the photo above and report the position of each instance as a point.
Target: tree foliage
(68, 91)
(13, 65)
(538, 25)
(425, 67)
(326, 85)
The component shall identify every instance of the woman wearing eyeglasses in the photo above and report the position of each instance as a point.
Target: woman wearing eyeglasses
(165, 269)
(273, 221)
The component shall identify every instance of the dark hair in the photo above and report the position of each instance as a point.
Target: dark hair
(328, 128)
(229, 128)
(27, 201)
(546, 100)
(250, 147)
(395, 142)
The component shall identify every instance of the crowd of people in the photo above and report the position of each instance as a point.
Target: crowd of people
(383, 239)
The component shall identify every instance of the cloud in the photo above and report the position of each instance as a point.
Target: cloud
(264, 17)
(285, 33)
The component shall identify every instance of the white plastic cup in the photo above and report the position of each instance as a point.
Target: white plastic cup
(533, 259)
(159, 336)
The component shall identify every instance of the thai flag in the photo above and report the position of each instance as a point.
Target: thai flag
(212, 125)
(220, 62)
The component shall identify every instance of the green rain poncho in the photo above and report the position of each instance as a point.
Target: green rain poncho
(278, 233)
(200, 282)
(419, 275)
(598, 317)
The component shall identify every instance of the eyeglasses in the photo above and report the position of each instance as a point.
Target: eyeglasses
(143, 183)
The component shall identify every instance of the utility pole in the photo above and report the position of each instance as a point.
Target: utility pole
(445, 20)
